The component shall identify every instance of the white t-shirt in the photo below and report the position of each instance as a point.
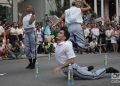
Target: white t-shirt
(13, 31)
(64, 51)
(93, 44)
(1, 30)
(73, 15)
(26, 20)
(108, 34)
(39, 36)
(86, 32)
(2, 47)
(19, 31)
(95, 32)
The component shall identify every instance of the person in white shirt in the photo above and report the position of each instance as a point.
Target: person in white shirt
(108, 34)
(93, 45)
(2, 49)
(28, 22)
(114, 39)
(20, 32)
(73, 20)
(1, 29)
(95, 32)
(65, 55)
(39, 38)
(87, 30)
(13, 33)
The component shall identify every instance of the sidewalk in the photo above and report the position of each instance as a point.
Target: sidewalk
(24, 57)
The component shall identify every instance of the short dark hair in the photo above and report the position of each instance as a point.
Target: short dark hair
(66, 33)
(73, 3)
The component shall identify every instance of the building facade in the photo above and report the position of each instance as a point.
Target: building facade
(103, 8)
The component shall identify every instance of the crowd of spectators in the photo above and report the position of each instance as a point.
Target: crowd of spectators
(100, 37)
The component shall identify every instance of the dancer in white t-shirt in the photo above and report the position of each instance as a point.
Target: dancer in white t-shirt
(73, 20)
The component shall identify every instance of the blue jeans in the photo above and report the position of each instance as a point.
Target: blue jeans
(29, 42)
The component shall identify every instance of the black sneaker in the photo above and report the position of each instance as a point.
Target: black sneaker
(90, 68)
(29, 66)
(111, 70)
(32, 66)
(76, 78)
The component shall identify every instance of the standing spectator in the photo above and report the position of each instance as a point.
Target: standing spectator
(114, 38)
(39, 39)
(47, 31)
(13, 33)
(95, 32)
(118, 41)
(102, 36)
(87, 30)
(20, 31)
(108, 34)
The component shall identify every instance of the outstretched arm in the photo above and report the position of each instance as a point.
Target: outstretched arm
(60, 67)
(59, 20)
(33, 17)
(20, 18)
(70, 56)
(87, 6)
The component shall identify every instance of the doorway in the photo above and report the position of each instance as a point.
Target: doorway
(112, 8)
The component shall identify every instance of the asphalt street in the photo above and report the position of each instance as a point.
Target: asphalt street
(13, 72)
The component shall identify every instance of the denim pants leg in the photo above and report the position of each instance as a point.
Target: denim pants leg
(29, 42)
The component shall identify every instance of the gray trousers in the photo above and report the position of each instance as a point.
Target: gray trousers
(77, 34)
(83, 73)
(29, 42)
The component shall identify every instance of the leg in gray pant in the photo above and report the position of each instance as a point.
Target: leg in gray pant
(29, 42)
(77, 35)
(83, 73)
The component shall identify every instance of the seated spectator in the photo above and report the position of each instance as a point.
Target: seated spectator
(93, 46)
(9, 52)
(46, 46)
(1, 30)
(16, 49)
(2, 49)
(22, 48)
(54, 44)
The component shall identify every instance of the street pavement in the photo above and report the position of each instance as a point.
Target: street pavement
(17, 75)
